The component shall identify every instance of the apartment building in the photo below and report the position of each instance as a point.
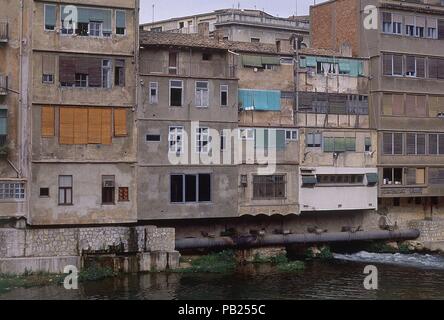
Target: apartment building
(267, 122)
(78, 91)
(406, 55)
(338, 149)
(244, 25)
(187, 119)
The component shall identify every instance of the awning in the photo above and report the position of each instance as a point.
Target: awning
(372, 178)
(271, 60)
(252, 61)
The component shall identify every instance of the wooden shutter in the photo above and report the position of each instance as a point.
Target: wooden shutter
(106, 126)
(420, 176)
(48, 120)
(387, 105)
(94, 126)
(67, 70)
(48, 64)
(66, 126)
(80, 126)
(120, 128)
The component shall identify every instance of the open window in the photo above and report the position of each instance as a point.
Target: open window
(108, 190)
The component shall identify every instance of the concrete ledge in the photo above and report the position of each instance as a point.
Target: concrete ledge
(41, 264)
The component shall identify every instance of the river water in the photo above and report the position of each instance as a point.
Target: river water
(400, 277)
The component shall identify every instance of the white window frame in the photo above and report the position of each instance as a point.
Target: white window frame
(100, 30)
(173, 133)
(44, 17)
(246, 134)
(153, 99)
(291, 135)
(202, 91)
(45, 78)
(107, 69)
(176, 87)
(12, 191)
(202, 135)
(224, 88)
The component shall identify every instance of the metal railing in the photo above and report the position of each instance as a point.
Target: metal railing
(3, 85)
(211, 69)
(268, 21)
(4, 32)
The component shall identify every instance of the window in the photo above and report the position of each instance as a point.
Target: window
(368, 144)
(269, 187)
(392, 143)
(414, 176)
(48, 78)
(415, 67)
(246, 134)
(3, 126)
(44, 192)
(224, 95)
(432, 28)
(327, 68)
(65, 190)
(436, 68)
(436, 144)
(255, 40)
(202, 94)
(190, 188)
(95, 29)
(392, 176)
(326, 179)
(176, 93)
(12, 191)
(410, 26)
(152, 137)
(106, 73)
(291, 135)
(206, 56)
(48, 121)
(386, 22)
(339, 144)
(223, 140)
(154, 93)
(175, 139)
(119, 73)
(313, 140)
(120, 122)
(172, 63)
(50, 17)
(123, 194)
(91, 21)
(202, 140)
(420, 23)
(392, 64)
(81, 80)
(120, 22)
(108, 189)
(415, 143)
(156, 29)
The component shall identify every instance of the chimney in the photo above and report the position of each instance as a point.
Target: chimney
(203, 29)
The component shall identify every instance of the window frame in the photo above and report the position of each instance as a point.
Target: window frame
(203, 91)
(176, 87)
(199, 134)
(153, 99)
(13, 186)
(45, 5)
(224, 88)
(176, 134)
(184, 188)
(274, 184)
(125, 28)
(113, 194)
(65, 189)
(246, 137)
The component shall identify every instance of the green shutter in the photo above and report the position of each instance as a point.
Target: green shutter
(350, 144)
(252, 61)
(329, 144)
(271, 60)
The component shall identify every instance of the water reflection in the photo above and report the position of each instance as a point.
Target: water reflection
(320, 280)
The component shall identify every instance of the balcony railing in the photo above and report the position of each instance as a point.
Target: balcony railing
(3, 85)
(4, 32)
(267, 21)
(211, 69)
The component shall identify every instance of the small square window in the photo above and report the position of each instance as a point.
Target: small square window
(153, 137)
(44, 192)
(48, 78)
(206, 56)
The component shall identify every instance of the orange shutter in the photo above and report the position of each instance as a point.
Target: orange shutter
(80, 126)
(94, 126)
(120, 129)
(66, 126)
(47, 125)
(106, 126)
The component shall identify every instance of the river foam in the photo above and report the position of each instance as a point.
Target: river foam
(410, 260)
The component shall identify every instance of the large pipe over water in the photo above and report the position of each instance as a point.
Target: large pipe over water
(279, 240)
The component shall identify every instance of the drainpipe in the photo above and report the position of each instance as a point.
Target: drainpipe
(280, 240)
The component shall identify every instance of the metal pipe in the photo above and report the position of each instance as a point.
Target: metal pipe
(306, 238)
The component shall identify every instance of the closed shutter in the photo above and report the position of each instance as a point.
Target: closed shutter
(411, 143)
(67, 71)
(66, 126)
(397, 143)
(398, 104)
(387, 141)
(420, 143)
(120, 128)
(386, 17)
(440, 69)
(106, 126)
(397, 64)
(94, 126)
(433, 68)
(420, 176)
(421, 106)
(420, 22)
(48, 120)
(441, 144)
(80, 126)
(387, 105)
(441, 29)
(387, 64)
(420, 67)
(410, 105)
(433, 144)
(48, 64)
(94, 72)
(410, 174)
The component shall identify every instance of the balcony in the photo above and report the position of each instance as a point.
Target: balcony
(4, 35)
(213, 69)
(3, 85)
(262, 21)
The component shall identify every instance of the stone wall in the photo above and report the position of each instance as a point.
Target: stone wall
(75, 241)
(431, 231)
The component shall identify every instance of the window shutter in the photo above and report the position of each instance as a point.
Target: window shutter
(280, 139)
(441, 144)
(433, 144)
(120, 129)
(411, 143)
(340, 145)
(397, 64)
(48, 120)
(329, 144)
(309, 139)
(67, 70)
(411, 105)
(66, 126)
(106, 126)
(94, 126)
(80, 126)
(441, 29)
(398, 104)
(410, 174)
(94, 72)
(440, 71)
(420, 22)
(48, 64)
(420, 67)
(420, 143)
(387, 143)
(387, 64)
(433, 68)
(350, 144)
(420, 176)
(421, 106)
(410, 64)
(387, 105)
(397, 143)
(386, 17)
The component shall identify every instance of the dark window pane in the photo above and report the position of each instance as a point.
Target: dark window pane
(190, 188)
(176, 188)
(204, 188)
(176, 97)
